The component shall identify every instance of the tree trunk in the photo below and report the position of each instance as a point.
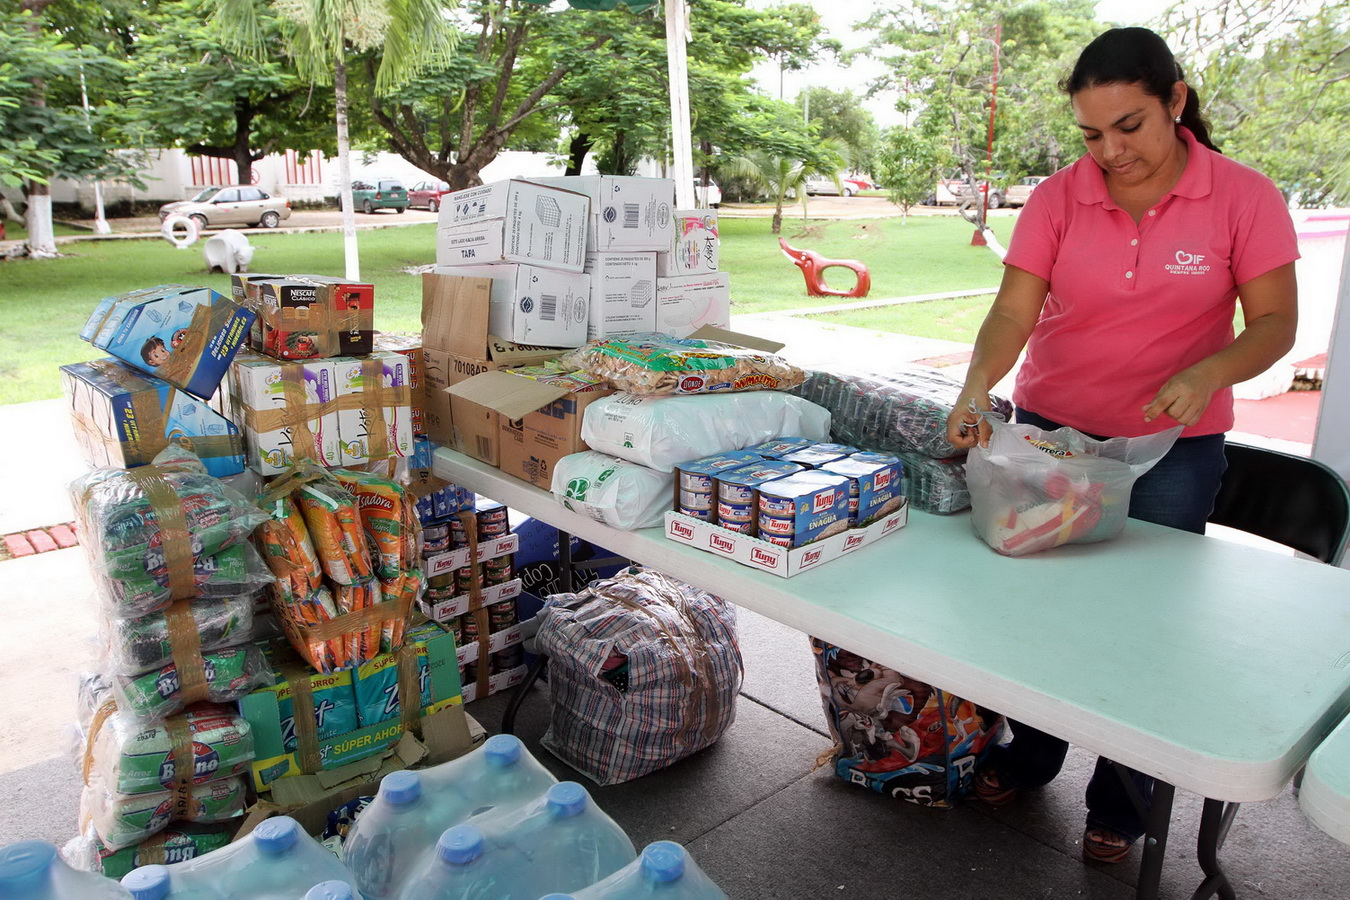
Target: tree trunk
(243, 160)
(577, 148)
(38, 217)
(8, 213)
(777, 218)
(344, 143)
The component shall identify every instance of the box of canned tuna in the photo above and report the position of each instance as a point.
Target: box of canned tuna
(764, 554)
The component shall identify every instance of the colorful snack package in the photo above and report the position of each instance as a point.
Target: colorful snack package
(380, 503)
(330, 515)
(225, 675)
(175, 844)
(332, 703)
(132, 757)
(360, 643)
(138, 645)
(287, 538)
(121, 820)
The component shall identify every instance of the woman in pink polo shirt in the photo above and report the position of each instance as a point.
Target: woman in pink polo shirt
(1121, 282)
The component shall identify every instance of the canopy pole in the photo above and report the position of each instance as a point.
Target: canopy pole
(681, 137)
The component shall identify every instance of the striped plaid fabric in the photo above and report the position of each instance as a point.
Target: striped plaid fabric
(684, 673)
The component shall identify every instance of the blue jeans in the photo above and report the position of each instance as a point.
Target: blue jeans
(1178, 492)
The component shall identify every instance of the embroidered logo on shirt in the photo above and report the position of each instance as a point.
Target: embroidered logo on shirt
(1188, 264)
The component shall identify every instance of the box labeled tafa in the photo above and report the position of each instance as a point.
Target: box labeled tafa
(623, 294)
(123, 418)
(687, 303)
(695, 248)
(513, 221)
(186, 336)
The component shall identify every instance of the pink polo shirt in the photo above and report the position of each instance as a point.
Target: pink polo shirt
(1131, 305)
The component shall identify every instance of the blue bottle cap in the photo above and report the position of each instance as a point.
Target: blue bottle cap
(331, 890)
(460, 845)
(276, 835)
(663, 861)
(503, 749)
(401, 788)
(147, 883)
(566, 798)
(24, 866)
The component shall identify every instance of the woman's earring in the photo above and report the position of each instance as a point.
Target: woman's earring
(1177, 120)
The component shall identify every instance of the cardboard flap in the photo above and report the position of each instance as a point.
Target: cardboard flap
(513, 354)
(455, 313)
(513, 396)
(736, 339)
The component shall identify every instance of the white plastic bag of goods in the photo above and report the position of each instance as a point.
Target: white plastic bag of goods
(661, 432)
(620, 494)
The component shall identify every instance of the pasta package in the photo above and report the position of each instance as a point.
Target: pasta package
(383, 506)
(331, 518)
(653, 363)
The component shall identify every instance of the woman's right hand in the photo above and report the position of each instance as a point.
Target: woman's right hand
(964, 427)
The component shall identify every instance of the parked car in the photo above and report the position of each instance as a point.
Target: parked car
(828, 187)
(427, 194)
(1018, 194)
(861, 184)
(384, 193)
(238, 205)
(707, 196)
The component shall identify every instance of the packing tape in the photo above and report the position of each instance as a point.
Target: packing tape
(175, 539)
(306, 733)
(208, 320)
(96, 723)
(185, 647)
(409, 687)
(184, 805)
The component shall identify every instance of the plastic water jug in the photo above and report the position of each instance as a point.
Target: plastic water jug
(663, 870)
(165, 883)
(566, 840)
(276, 861)
(499, 773)
(32, 870)
(393, 833)
(466, 867)
(332, 890)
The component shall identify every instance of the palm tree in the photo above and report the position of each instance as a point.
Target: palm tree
(415, 35)
(783, 177)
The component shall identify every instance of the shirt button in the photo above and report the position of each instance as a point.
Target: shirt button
(1129, 274)
(1134, 243)
(1152, 212)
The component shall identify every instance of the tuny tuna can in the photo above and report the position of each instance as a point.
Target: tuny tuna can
(777, 506)
(436, 595)
(691, 481)
(437, 582)
(696, 499)
(456, 629)
(492, 515)
(435, 539)
(468, 625)
(775, 525)
(458, 536)
(742, 527)
(465, 579)
(508, 659)
(502, 576)
(853, 507)
(735, 493)
(781, 540)
(502, 616)
(704, 514)
(735, 513)
(494, 529)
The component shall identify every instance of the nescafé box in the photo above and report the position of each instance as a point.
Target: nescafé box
(185, 336)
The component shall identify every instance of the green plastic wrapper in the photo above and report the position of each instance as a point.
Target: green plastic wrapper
(132, 757)
(121, 820)
(175, 844)
(139, 645)
(230, 674)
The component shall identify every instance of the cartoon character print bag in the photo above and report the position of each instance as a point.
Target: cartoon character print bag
(899, 736)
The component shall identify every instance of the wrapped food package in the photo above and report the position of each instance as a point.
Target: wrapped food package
(121, 820)
(166, 532)
(223, 676)
(386, 513)
(655, 363)
(129, 756)
(662, 432)
(901, 410)
(175, 844)
(612, 491)
(331, 519)
(133, 646)
(935, 485)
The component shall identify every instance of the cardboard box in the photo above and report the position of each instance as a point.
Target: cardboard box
(513, 221)
(533, 305)
(502, 681)
(453, 560)
(623, 294)
(352, 308)
(695, 248)
(411, 347)
(767, 557)
(186, 336)
(313, 317)
(387, 400)
(627, 212)
(245, 290)
(265, 391)
(538, 423)
(444, 610)
(123, 418)
(687, 303)
(456, 346)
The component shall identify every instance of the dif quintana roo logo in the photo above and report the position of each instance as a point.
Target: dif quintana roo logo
(1187, 264)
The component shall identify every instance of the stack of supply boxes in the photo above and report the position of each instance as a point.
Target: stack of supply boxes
(691, 292)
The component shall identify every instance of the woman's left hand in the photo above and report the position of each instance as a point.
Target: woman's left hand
(1184, 397)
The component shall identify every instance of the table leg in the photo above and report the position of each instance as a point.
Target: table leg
(1215, 820)
(1155, 841)
(567, 579)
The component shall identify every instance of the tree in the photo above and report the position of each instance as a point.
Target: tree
(783, 176)
(414, 34)
(189, 89)
(908, 165)
(841, 116)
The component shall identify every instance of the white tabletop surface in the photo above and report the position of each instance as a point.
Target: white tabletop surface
(1214, 666)
(1325, 794)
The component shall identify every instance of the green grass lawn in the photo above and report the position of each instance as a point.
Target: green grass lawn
(44, 303)
(948, 320)
(17, 232)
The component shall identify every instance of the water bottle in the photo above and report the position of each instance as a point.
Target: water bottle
(398, 827)
(32, 870)
(466, 867)
(663, 870)
(163, 883)
(331, 890)
(566, 840)
(276, 861)
(500, 773)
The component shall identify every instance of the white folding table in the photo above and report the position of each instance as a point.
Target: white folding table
(1209, 665)
(1325, 793)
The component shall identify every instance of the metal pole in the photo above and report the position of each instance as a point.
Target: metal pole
(978, 239)
(100, 223)
(681, 137)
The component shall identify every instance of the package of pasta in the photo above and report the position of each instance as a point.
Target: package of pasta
(653, 363)
(176, 843)
(286, 546)
(167, 531)
(331, 517)
(382, 506)
(133, 757)
(219, 677)
(133, 646)
(121, 820)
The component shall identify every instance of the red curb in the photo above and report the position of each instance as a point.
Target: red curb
(42, 541)
(63, 535)
(18, 546)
